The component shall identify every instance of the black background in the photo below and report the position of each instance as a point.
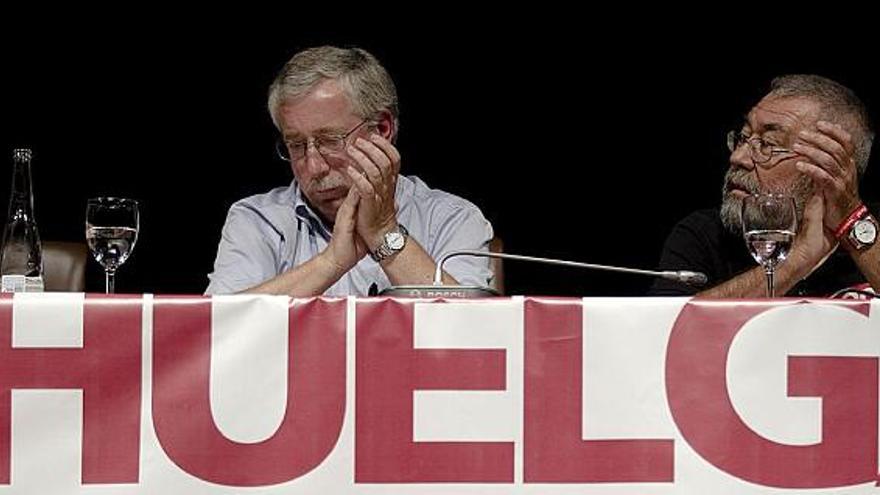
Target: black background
(575, 145)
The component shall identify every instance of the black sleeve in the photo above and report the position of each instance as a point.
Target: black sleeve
(689, 247)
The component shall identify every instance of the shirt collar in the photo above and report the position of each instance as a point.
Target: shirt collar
(305, 212)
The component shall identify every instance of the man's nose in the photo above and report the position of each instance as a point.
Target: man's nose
(742, 157)
(315, 162)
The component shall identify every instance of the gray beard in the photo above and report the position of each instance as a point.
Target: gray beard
(731, 215)
(731, 206)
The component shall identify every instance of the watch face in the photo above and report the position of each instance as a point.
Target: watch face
(395, 240)
(865, 231)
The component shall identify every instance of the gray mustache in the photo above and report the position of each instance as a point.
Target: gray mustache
(741, 179)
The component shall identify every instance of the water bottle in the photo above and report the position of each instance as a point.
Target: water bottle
(21, 260)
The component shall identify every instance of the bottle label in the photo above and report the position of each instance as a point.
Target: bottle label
(33, 284)
(20, 283)
(13, 283)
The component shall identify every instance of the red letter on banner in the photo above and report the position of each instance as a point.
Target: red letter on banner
(315, 395)
(554, 449)
(696, 384)
(107, 369)
(389, 370)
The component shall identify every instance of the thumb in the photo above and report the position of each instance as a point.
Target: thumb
(346, 213)
(814, 211)
(351, 199)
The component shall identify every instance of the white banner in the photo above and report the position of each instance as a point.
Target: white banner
(241, 394)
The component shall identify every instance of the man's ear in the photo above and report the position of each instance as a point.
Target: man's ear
(385, 125)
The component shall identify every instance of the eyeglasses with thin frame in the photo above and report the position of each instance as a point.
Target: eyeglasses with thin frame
(325, 145)
(760, 151)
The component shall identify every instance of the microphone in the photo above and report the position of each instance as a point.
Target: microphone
(696, 279)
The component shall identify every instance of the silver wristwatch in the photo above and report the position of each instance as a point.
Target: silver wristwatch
(863, 233)
(392, 243)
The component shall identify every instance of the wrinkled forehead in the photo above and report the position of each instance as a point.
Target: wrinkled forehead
(783, 114)
(325, 107)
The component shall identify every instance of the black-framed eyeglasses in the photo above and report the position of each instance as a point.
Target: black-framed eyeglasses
(296, 150)
(760, 151)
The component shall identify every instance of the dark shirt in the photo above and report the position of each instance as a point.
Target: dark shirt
(701, 243)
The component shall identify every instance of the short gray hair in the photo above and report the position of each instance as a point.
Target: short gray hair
(839, 105)
(367, 84)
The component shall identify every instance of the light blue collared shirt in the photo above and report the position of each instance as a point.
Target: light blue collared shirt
(267, 234)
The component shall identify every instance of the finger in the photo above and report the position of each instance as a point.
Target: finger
(364, 187)
(376, 154)
(819, 157)
(814, 209)
(813, 220)
(351, 200)
(821, 178)
(370, 169)
(827, 144)
(389, 149)
(837, 132)
(345, 216)
(840, 200)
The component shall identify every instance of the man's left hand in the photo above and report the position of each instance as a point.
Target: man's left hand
(376, 183)
(832, 167)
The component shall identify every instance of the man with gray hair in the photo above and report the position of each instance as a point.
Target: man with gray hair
(349, 223)
(809, 137)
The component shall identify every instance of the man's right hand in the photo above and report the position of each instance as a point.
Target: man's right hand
(345, 248)
(811, 247)
(814, 242)
(316, 275)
